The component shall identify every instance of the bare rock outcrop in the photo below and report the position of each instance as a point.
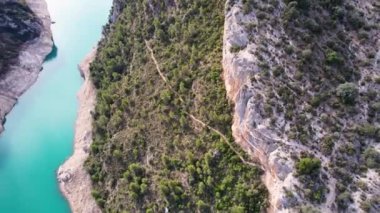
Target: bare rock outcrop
(20, 75)
(74, 181)
(249, 128)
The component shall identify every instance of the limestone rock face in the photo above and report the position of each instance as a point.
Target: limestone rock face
(19, 75)
(256, 57)
(74, 181)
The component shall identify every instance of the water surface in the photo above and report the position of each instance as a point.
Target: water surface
(40, 129)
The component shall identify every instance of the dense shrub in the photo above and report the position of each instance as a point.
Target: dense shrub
(348, 93)
(344, 199)
(247, 6)
(368, 130)
(334, 58)
(375, 107)
(372, 158)
(308, 166)
(302, 4)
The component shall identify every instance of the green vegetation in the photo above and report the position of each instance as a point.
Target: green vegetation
(368, 130)
(236, 48)
(311, 85)
(308, 170)
(303, 4)
(334, 58)
(248, 6)
(369, 205)
(347, 92)
(372, 158)
(148, 153)
(308, 166)
(344, 199)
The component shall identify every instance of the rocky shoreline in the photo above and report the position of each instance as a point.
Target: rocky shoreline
(24, 74)
(74, 181)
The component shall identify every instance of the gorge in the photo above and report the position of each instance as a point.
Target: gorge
(200, 106)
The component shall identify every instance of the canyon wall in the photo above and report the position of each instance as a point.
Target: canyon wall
(19, 73)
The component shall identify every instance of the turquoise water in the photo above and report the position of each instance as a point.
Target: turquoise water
(40, 130)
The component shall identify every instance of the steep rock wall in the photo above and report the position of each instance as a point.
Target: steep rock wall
(21, 74)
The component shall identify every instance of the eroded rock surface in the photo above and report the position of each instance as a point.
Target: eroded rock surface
(26, 38)
(283, 62)
(74, 181)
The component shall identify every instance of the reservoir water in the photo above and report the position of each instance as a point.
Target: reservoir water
(40, 129)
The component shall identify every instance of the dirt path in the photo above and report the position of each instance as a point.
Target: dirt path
(225, 139)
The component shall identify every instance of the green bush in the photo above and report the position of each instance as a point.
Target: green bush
(327, 145)
(308, 166)
(302, 4)
(308, 209)
(355, 20)
(236, 48)
(377, 80)
(367, 130)
(248, 6)
(333, 58)
(372, 158)
(306, 55)
(375, 107)
(237, 209)
(344, 199)
(348, 93)
(291, 13)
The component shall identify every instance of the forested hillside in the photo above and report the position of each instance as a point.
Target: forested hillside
(162, 129)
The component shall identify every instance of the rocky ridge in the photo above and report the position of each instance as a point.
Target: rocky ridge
(266, 57)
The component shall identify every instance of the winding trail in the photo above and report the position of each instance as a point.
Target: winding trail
(332, 182)
(202, 123)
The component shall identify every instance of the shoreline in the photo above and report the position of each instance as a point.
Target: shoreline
(21, 76)
(74, 181)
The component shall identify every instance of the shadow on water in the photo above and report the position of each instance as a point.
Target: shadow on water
(3, 146)
(53, 54)
(4, 152)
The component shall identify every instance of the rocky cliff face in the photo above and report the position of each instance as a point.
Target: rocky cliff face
(18, 24)
(304, 77)
(25, 40)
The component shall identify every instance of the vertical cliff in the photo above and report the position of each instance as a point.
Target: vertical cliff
(25, 41)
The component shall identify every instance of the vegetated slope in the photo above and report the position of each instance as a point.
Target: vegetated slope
(305, 79)
(18, 24)
(162, 137)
